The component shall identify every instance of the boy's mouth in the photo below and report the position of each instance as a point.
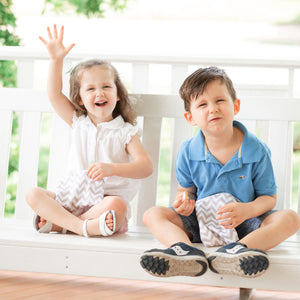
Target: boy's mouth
(215, 119)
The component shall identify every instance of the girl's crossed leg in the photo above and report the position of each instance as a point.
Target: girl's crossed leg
(44, 204)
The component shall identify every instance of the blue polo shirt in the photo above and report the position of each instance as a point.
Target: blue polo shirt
(247, 175)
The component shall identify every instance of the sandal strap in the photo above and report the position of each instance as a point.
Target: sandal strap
(104, 230)
(64, 231)
(85, 234)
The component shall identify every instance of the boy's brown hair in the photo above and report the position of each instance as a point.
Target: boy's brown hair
(196, 83)
(123, 107)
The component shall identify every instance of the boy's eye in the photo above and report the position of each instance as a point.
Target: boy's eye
(202, 105)
(220, 100)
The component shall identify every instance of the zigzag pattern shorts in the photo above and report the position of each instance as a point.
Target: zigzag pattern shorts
(76, 192)
(192, 226)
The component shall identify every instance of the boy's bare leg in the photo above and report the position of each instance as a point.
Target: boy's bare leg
(166, 226)
(251, 260)
(180, 258)
(276, 228)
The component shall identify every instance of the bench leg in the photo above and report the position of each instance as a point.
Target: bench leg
(246, 294)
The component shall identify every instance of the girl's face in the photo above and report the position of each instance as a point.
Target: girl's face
(98, 93)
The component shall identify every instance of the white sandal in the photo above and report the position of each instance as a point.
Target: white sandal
(104, 230)
(47, 228)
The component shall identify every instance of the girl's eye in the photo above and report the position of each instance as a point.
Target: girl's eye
(90, 89)
(106, 86)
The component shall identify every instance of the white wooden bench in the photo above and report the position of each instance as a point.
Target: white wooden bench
(23, 249)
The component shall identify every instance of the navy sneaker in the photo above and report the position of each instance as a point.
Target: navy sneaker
(237, 259)
(179, 260)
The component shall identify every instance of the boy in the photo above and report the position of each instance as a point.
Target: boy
(222, 158)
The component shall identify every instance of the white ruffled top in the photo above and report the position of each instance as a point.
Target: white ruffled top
(105, 143)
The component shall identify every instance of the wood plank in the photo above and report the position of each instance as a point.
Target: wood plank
(25, 285)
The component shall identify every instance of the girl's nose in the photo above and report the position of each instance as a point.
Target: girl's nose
(100, 93)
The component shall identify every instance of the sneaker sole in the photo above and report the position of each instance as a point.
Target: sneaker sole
(250, 264)
(164, 265)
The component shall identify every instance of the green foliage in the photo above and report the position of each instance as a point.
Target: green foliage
(8, 72)
(88, 8)
(7, 38)
(6, 15)
(8, 78)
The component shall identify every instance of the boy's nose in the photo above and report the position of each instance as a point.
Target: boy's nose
(213, 108)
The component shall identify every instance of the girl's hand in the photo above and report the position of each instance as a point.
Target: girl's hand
(55, 45)
(98, 171)
(183, 205)
(232, 214)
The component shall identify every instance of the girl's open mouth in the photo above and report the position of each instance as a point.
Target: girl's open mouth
(100, 103)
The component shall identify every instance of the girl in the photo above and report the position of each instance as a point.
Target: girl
(105, 144)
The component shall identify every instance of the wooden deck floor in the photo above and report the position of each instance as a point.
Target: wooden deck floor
(33, 286)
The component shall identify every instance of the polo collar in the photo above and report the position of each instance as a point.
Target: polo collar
(247, 153)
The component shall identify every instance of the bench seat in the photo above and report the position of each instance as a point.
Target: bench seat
(100, 256)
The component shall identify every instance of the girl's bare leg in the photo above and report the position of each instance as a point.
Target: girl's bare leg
(44, 204)
(108, 203)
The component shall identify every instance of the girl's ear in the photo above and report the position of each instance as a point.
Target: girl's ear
(237, 106)
(188, 116)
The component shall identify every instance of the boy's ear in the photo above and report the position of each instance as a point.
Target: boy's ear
(237, 106)
(188, 116)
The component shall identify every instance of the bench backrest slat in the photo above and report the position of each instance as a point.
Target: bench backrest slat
(59, 148)
(148, 190)
(6, 118)
(281, 148)
(181, 131)
(29, 130)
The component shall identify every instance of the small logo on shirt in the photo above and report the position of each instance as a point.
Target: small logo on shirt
(242, 177)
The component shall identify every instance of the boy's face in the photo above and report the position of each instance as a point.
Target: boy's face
(214, 110)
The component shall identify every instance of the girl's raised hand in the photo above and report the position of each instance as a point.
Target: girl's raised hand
(55, 45)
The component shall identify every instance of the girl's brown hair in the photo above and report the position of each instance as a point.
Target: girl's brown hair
(123, 107)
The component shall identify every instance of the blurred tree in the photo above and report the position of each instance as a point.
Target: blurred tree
(7, 38)
(88, 8)
(8, 78)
